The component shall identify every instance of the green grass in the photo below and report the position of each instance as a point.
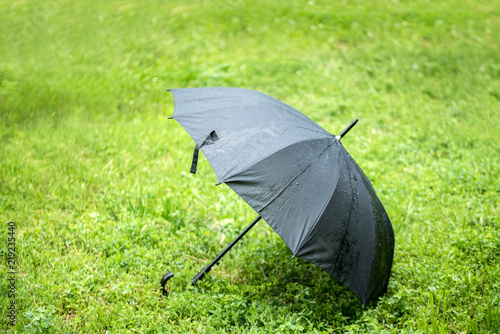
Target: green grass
(97, 178)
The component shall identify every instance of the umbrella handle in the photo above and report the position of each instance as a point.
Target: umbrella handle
(205, 270)
(164, 280)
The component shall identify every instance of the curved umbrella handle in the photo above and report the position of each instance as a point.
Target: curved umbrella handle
(164, 280)
(205, 270)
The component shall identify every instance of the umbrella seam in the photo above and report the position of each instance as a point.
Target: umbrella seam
(343, 237)
(246, 167)
(316, 129)
(347, 225)
(319, 216)
(289, 183)
(264, 97)
(368, 187)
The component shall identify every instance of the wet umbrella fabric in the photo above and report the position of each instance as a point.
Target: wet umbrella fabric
(298, 177)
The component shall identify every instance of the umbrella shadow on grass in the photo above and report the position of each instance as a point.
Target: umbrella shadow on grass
(268, 274)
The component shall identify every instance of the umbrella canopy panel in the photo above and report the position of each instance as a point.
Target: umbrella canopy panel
(250, 125)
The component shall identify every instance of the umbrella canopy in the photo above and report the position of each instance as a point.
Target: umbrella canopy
(298, 177)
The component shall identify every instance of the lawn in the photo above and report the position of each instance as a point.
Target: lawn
(96, 177)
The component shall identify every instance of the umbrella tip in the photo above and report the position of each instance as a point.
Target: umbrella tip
(346, 130)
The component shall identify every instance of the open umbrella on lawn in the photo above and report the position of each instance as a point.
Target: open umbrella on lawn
(297, 177)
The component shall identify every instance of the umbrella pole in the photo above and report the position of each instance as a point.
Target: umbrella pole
(217, 259)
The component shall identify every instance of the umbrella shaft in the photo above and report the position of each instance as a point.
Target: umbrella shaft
(214, 262)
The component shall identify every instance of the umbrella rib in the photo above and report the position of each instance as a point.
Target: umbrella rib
(198, 111)
(316, 128)
(276, 104)
(293, 180)
(343, 235)
(229, 178)
(346, 227)
(309, 129)
(322, 211)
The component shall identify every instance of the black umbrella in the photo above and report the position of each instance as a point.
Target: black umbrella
(298, 177)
